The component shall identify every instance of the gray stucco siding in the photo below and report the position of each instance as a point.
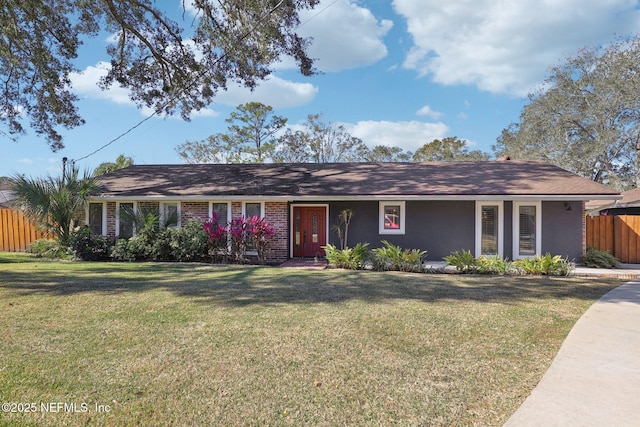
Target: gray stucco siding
(439, 227)
(562, 229)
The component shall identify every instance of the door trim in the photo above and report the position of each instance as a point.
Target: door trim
(292, 221)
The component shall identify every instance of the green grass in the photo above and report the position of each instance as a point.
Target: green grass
(192, 344)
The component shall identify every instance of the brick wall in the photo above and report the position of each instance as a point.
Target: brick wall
(194, 210)
(111, 220)
(277, 213)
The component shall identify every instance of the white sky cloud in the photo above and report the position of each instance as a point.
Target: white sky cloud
(428, 112)
(274, 91)
(345, 35)
(506, 47)
(409, 135)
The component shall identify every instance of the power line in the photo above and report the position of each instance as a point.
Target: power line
(176, 97)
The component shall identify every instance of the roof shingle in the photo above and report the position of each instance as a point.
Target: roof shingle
(505, 178)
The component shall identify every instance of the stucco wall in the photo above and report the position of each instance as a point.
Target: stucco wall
(439, 227)
(562, 229)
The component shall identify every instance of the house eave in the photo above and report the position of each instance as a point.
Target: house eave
(329, 198)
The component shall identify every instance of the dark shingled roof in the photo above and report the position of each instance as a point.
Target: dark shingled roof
(335, 180)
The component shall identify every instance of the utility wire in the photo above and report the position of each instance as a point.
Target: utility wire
(176, 97)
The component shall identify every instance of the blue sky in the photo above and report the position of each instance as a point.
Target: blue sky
(400, 72)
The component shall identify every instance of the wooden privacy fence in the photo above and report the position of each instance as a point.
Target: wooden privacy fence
(618, 235)
(16, 231)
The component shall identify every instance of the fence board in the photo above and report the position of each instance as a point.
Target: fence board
(618, 235)
(16, 231)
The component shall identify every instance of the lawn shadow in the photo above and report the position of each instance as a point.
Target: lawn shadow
(249, 285)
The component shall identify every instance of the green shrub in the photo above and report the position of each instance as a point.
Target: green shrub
(352, 258)
(463, 261)
(189, 243)
(391, 257)
(599, 259)
(50, 249)
(88, 246)
(546, 265)
(163, 245)
(122, 252)
(494, 265)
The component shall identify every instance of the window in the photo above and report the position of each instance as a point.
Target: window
(96, 219)
(392, 216)
(124, 223)
(222, 211)
(489, 228)
(253, 209)
(169, 214)
(527, 229)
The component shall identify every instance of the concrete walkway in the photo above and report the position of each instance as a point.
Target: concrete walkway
(594, 379)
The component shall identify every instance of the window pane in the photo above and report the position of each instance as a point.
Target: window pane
(253, 209)
(170, 215)
(126, 220)
(221, 211)
(489, 230)
(392, 217)
(527, 237)
(95, 218)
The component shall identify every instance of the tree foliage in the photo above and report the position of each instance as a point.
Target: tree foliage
(382, 153)
(320, 142)
(54, 202)
(587, 120)
(121, 162)
(448, 149)
(249, 138)
(172, 67)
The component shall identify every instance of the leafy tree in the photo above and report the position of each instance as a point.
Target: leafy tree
(382, 153)
(167, 65)
(447, 150)
(320, 142)
(54, 202)
(293, 147)
(121, 162)
(250, 138)
(587, 118)
(329, 143)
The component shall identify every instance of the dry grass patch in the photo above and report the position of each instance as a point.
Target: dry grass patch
(208, 345)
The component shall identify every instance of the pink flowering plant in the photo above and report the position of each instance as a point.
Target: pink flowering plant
(261, 233)
(239, 236)
(218, 242)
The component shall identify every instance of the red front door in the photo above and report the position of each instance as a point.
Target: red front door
(309, 231)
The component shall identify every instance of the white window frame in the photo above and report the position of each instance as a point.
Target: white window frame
(228, 218)
(516, 228)
(163, 206)
(104, 216)
(381, 207)
(244, 208)
(135, 210)
(479, 205)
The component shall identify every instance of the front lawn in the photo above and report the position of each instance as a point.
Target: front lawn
(193, 344)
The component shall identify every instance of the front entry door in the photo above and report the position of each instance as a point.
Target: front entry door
(309, 231)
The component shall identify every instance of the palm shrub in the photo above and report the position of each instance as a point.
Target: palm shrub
(547, 264)
(494, 265)
(53, 202)
(463, 261)
(352, 258)
(599, 259)
(392, 257)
